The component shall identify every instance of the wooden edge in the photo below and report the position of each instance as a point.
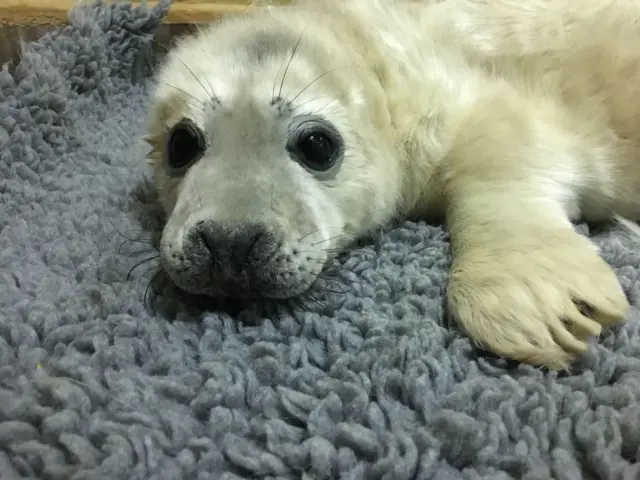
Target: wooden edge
(52, 12)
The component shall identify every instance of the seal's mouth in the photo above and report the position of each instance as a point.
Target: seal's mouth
(249, 284)
(256, 286)
(246, 261)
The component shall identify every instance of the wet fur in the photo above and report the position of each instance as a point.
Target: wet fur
(507, 119)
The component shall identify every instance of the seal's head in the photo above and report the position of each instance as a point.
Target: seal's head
(267, 152)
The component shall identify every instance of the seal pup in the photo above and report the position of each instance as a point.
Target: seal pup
(281, 135)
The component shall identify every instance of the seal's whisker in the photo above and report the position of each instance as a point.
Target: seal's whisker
(211, 94)
(316, 111)
(328, 250)
(251, 248)
(317, 230)
(215, 95)
(330, 239)
(315, 300)
(144, 251)
(320, 260)
(320, 230)
(142, 262)
(325, 276)
(166, 47)
(293, 54)
(325, 106)
(142, 241)
(316, 79)
(334, 292)
(148, 270)
(340, 275)
(311, 100)
(123, 235)
(150, 286)
(341, 250)
(186, 93)
(334, 285)
(157, 284)
(129, 240)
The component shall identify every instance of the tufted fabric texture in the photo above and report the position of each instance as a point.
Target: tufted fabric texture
(366, 381)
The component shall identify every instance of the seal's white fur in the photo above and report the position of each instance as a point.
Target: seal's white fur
(507, 118)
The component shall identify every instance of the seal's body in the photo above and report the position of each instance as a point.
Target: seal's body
(281, 135)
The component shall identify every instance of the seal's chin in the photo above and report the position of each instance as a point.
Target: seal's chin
(247, 261)
(266, 283)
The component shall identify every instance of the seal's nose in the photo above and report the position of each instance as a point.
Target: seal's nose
(234, 249)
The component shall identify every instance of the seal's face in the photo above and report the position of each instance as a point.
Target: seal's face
(257, 163)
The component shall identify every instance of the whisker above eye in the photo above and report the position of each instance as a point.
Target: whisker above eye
(316, 79)
(314, 111)
(293, 53)
(186, 93)
(211, 94)
(166, 47)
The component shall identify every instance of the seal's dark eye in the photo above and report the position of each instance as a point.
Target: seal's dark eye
(316, 150)
(316, 144)
(185, 145)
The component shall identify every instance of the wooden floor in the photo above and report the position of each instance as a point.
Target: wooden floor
(29, 19)
(39, 12)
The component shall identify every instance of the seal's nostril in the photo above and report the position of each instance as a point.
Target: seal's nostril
(249, 244)
(253, 242)
(206, 241)
(243, 248)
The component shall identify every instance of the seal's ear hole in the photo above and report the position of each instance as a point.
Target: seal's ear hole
(185, 145)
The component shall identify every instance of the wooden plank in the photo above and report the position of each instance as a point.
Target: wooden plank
(219, 2)
(47, 12)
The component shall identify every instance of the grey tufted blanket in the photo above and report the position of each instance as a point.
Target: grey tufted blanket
(364, 381)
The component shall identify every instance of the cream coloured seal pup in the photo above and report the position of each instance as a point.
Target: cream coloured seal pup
(280, 135)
